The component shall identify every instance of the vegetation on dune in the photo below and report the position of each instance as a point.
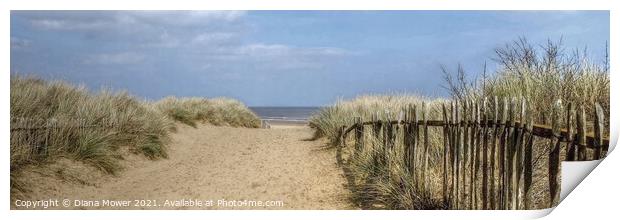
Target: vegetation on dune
(217, 111)
(92, 127)
(540, 75)
(328, 120)
(120, 119)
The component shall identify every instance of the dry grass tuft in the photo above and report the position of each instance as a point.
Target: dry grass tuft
(217, 111)
(541, 75)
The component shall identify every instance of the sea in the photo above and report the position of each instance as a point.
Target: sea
(285, 114)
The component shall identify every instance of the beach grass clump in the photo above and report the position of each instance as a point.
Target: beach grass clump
(84, 126)
(328, 120)
(216, 111)
(540, 74)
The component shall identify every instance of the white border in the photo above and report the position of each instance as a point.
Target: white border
(593, 194)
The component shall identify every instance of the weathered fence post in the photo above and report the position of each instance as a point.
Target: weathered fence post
(446, 148)
(473, 153)
(599, 123)
(494, 155)
(485, 156)
(465, 126)
(376, 128)
(581, 134)
(554, 156)
(359, 135)
(528, 164)
(426, 146)
(571, 148)
(413, 127)
(458, 141)
(518, 162)
(342, 136)
(407, 138)
(387, 140)
(502, 154)
(510, 159)
(416, 141)
(455, 154)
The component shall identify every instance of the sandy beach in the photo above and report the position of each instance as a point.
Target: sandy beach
(278, 166)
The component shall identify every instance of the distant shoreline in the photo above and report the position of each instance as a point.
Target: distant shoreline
(283, 123)
(285, 116)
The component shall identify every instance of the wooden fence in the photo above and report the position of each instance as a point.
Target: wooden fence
(487, 151)
(34, 136)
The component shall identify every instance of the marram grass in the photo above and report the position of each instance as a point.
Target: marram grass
(217, 111)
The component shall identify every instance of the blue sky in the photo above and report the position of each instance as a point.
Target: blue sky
(280, 58)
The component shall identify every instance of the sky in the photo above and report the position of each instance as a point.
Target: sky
(281, 58)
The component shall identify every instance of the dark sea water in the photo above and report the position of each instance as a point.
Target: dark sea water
(284, 113)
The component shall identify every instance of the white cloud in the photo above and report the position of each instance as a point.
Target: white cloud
(104, 20)
(186, 17)
(205, 36)
(115, 58)
(213, 38)
(162, 40)
(54, 24)
(285, 50)
(146, 29)
(276, 56)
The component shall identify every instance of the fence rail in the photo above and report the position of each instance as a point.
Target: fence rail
(32, 137)
(487, 154)
(542, 131)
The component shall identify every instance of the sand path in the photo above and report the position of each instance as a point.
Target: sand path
(223, 163)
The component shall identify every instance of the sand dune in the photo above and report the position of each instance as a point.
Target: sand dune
(218, 164)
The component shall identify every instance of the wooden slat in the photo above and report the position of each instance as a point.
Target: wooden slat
(571, 148)
(485, 157)
(407, 139)
(451, 146)
(554, 157)
(509, 148)
(416, 141)
(502, 154)
(446, 148)
(455, 154)
(478, 158)
(599, 124)
(377, 124)
(426, 147)
(494, 155)
(528, 164)
(359, 136)
(458, 155)
(342, 136)
(581, 134)
(388, 143)
(518, 163)
(465, 160)
(473, 152)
